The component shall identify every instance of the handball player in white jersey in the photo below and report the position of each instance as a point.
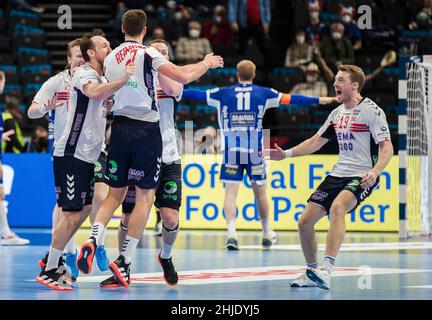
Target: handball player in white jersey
(135, 153)
(361, 130)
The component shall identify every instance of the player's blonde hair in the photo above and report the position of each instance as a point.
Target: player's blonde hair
(356, 74)
(2, 75)
(71, 44)
(246, 70)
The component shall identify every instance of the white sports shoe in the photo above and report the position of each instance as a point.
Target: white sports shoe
(320, 276)
(303, 282)
(13, 240)
(267, 242)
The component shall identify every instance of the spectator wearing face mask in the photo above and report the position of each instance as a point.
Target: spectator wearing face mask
(315, 29)
(176, 27)
(39, 143)
(300, 52)
(218, 30)
(336, 49)
(314, 86)
(352, 31)
(193, 48)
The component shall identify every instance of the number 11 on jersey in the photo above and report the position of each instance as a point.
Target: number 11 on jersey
(243, 100)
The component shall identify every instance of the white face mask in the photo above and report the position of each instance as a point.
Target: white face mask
(300, 39)
(311, 78)
(336, 35)
(346, 18)
(314, 14)
(178, 16)
(194, 33)
(171, 4)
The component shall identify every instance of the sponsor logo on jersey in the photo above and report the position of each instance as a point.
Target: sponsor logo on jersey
(242, 119)
(132, 83)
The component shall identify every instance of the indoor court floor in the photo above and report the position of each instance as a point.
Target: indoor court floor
(371, 266)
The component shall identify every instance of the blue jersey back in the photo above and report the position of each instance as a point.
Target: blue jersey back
(241, 110)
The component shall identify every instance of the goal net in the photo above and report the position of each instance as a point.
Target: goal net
(419, 149)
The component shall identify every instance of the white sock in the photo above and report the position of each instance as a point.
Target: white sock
(3, 221)
(232, 233)
(98, 230)
(128, 248)
(329, 263)
(168, 239)
(70, 246)
(265, 227)
(166, 251)
(53, 258)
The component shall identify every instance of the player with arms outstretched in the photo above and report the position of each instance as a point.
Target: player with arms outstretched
(365, 148)
(241, 110)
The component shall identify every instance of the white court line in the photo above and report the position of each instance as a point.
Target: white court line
(235, 275)
(420, 287)
(364, 246)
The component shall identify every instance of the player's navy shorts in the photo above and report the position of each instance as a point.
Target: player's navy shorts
(135, 154)
(168, 195)
(100, 168)
(233, 169)
(329, 189)
(74, 183)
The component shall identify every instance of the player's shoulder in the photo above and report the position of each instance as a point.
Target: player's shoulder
(370, 105)
(152, 52)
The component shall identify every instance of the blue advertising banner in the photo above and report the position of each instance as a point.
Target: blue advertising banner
(29, 189)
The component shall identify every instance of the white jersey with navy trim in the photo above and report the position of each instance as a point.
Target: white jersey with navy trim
(59, 85)
(358, 131)
(138, 98)
(84, 133)
(167, 109)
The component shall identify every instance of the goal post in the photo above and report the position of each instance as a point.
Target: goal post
(415, 146)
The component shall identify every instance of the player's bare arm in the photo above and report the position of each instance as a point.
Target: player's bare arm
(105, 90)
(169, 86)
(385, 155)
(38, 110)
(308, 146)
(191, 72)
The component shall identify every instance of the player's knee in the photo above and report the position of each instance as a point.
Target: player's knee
(337, 210)
(99, 197)
(169, 217)
(304, 223)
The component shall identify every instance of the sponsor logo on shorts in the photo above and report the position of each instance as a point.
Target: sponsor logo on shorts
(353, 185)
(98, 167)
(112, 168)
(364, 194)
(258, 170)
(231, 170)
(135, 174)
(319, 195)
(170, 188)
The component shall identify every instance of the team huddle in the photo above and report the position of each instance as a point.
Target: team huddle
(142, 88)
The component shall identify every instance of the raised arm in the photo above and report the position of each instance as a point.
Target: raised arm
(299, 99)
(38, 110)
(194, 95)
(308, 146)
(169, 86)
(189, 73)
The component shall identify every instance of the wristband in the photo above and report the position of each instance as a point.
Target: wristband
(208, 67)
(42, 109)
(288, 153)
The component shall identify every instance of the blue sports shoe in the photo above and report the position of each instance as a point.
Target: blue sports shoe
(102, 258)
(71, 263)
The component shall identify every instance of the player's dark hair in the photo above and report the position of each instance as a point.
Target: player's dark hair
(356, 74)
(86, 42)
(134, 22)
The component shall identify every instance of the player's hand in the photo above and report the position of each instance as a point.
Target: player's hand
(274, 154)
(7, 134)
(1, 177)
(368, 179)
(213, 61)
(52, 104)
(130, 70)
(327, 100)
(108, 103)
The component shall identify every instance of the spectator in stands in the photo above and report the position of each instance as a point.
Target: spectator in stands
(315, 29)
(423, 20)
(251, 19)
(218, 30)
(39, 143)
(177, 26)
(27, 5)
(300, 52)
(352, 31)
(337, 49)
(159, 33)
(193, 48)
(314, 85)
(11, 121)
